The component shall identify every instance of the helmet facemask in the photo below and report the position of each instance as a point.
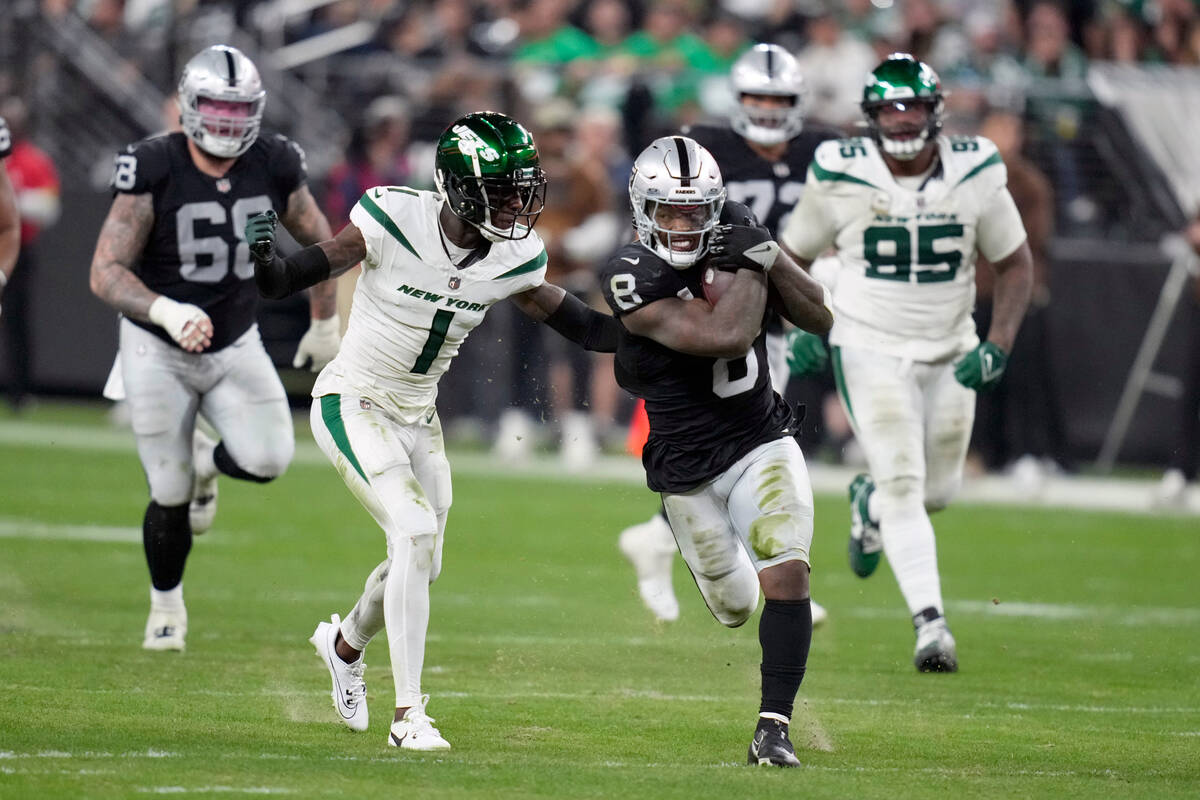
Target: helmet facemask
(488, 170)
(902, 82)
(502, 208)
(677, 195)
(905, 142)
(679, 232)
(768, 70)
(214, 83)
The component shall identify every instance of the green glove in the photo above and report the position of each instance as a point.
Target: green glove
(982, 368)
(260, 234)
(806, 353)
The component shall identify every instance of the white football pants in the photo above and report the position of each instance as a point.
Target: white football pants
(756, 514)
(236, 389)
(913, 420)
(401, 476)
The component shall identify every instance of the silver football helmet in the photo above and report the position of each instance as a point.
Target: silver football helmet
(768, 69)
(677, 195)
(223, 74)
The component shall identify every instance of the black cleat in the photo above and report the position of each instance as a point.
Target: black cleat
(771, 746)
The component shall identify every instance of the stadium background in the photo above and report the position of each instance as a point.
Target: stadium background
(1103, 89)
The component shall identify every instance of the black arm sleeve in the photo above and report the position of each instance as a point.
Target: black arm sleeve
(282, 277)
(585, 326)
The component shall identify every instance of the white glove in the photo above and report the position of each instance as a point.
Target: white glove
(320, 343)
(187, 324)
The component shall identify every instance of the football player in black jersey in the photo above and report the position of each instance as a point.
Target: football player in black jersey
(172, 259)
(10, 220)
(764, 155)
(721, 451)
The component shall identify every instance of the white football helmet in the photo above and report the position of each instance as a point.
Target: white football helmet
(771, 70)
(676, 171)
(221, 73)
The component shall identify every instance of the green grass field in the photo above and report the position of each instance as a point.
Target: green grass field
(1078, 634)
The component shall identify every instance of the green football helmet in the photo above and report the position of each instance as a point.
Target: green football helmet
(488, 170)
(902, 81)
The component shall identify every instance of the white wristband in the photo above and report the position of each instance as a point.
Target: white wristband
(3, 279)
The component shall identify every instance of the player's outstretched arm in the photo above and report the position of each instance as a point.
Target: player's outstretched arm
(571, 317)
(123, 236)
(278, 277)
(308, 225)
(803, 301)
(726, 330)
(321, 342)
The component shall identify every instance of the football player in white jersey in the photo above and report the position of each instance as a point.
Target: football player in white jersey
(907, 209)
(433, 264)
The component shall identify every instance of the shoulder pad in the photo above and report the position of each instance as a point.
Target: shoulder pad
(972, 158)
(143, 165)
(851, 161)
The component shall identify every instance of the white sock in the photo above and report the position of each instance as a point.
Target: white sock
(873, 509)
(406, 610)
(366, 618)
(911, 549)
(169, 600)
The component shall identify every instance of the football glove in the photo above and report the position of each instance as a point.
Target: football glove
(806, 353)
(319, 344)
(735, 247)
(982, 368)
(260, 235)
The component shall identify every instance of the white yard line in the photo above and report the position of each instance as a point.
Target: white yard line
(1054, 491)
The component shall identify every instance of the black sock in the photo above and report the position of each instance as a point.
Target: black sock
(785, 632)
(226, 465)
(167, 537)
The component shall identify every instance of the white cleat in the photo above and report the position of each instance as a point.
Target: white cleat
(1171, 492)
(416, 731)
(650, 547)
(165, 630)
(203, 508)
(819, 614)
(936, 650)
(349, 690)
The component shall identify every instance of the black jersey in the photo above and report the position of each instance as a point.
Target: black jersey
(5, 139)
(770, 189)
(196, 252)
(705, 413)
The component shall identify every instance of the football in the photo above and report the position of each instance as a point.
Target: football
(714, 283)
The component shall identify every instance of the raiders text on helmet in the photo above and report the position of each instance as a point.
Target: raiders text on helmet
(901, 81)
(676, 171)
(487, 168)
(222, 74)
(768, 69)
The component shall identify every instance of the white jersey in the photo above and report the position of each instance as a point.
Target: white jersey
(413, 308)
(906, 282)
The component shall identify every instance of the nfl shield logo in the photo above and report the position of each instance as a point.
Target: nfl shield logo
(224, 185)
(455, 281)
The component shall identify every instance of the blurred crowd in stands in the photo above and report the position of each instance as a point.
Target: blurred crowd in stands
(598, 79)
